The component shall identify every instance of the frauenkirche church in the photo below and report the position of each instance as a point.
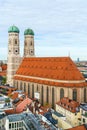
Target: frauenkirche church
(51, 78)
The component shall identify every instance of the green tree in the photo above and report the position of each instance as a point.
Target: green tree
(4, 80)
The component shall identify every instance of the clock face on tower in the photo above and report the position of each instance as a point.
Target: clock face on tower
(16, 51)
(31, 52)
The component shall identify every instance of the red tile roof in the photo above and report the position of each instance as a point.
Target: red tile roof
(22, 105)
(13, 95)
(3, 73)
(68, 104)
(82, 127)
(4, 67)
(11, 111)
(54, 68)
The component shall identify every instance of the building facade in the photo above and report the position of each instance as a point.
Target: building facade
(52, 78)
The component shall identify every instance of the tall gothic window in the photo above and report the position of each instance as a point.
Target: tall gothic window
(75, 94)
(42, 91)
(53, 98)
(14, 83)
(37, 87)
(17, 84)
(20, 85)
(25, 87)
(61, 93)
(84, 94)
(32, 90)
(28, 90)
(47, 94)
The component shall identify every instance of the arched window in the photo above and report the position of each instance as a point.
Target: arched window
(37, 87)
(25, 43)
(31, 43)
(47, 95)
(17, 84)
(20, 85)
(14, 83)
(15, 41)
(28, 90)
(75, 94)
(61, 93)
(53, 98)
(32, 90)
(84, 94)
(25, 87)
(42, 91)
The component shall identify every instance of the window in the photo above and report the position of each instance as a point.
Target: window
(47, 94)
(61, 93)
(15, 125)
(17, 84)
(25, 43)
(10, 125)
(32, 90)
(24, 87)
(20, 85)
(75, 94)
(31, 43)
(15, 41)
(84, 94)
(83, 120)
(28, 90)
(14, 83)
(42, 91)
(37, 87)
(52, 97)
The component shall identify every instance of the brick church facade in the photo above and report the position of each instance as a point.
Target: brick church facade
(52, 78)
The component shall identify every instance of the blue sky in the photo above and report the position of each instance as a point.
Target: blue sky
(60, 26)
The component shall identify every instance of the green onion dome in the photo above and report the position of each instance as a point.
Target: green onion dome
(13, 29)
(28, 32)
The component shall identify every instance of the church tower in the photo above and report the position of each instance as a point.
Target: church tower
(29, 43)
(13, 60)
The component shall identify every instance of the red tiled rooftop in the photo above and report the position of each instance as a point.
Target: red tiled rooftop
(2, 73)
(4, 67)
(60, 68)
(68, 104)
(14, 95)
(21, 106)
(82, 127)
